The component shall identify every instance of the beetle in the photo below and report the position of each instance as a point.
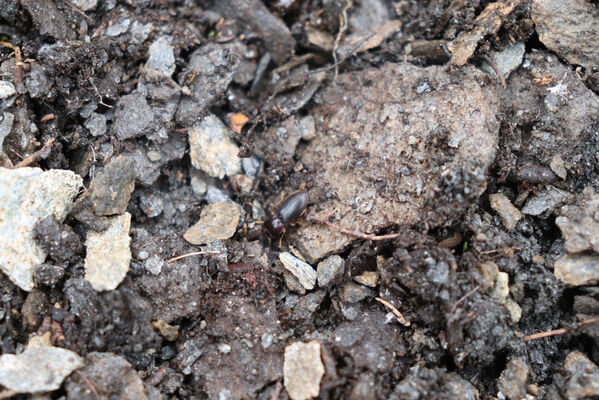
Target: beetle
(287, 212)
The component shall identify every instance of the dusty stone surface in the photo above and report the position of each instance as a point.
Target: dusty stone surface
(506, 210)
(108, 254)
(111, 188)
(546, 200)
(579, 223)
(506, 60)
(28, 195)
(577, 270)
(330, 270)
(218, 221)
(303, 370)
(389, 151)
(570, 28)
(212, 150)
(37, 369)
(161, 57)
(368, 278)
(512, 382)
(584, 381)
(304, 272)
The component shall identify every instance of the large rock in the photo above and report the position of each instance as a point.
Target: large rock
(401, 145)
(28, 195)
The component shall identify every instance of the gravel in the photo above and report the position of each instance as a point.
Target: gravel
(218, 221)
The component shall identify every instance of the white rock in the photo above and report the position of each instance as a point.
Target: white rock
(162, 57)
(37, 369)
(7, 89)
(301, 270)
(506, 210)
(303, 370)
(577, 270)
(28, 195)
(108, 254)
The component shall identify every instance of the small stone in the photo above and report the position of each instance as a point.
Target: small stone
(302, 370)
(85, 5)
(558, 167)
(118, 28)
(49, 275)
(251, 165)
(301, 270)
(212, 150)
(224, 348)
(352, 293)
(506, 60)
(96, 124)
(198, 185)
(27, 196)
(330, 270)
(133, 117)
(368, 278)
(215, 195)
(307, 128)
(512, 382)
(154, 265)
(34, 309)
(7, 89)
(506, 210)
(111, 188)
(218, 221)
(162, 57)
(547, 199)
(108, 254)
(578, 224)
(167, 331)
(584, 380)
(151, 205)
(577, 270)
(6, 121)
(293, 283)
(37, 369)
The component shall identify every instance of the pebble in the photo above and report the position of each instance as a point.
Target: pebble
(216, 195)
(547, 199)
(212, 150)
(96, 124)
(509, 214)
(108, 254)
(368, 278)
(577, 270)
(303, 370)
(512, 382)
(112, 187)
(199, 185)
(506, 60)
(330, 270)
(118, 28)
(154, 264)
(498, 283)
(162, 57)
(151, 205)
(301, 270)
(558, 167)
(584, 379)
(250, 165)
(133, 117)
(49, 275)
(5, 126)
(28, 195)
(579, 225)
(85, 5)
(218, 221)
(37, 369)
(7, 89)
(352, 293)
(167, 331)
(307, 128)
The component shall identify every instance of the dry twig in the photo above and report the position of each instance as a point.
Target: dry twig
(361, 235)
(560, 331)
(40, 154)
(398, 315)
(18, 60)
(195, 253)
(496, 69)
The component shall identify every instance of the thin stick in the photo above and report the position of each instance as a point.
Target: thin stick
(342, 29)
(41, 153)
(348, 232)
(195, 253)
(496, 69)
(68, 3)
(559, 331)
(464, 297)
(398, 315)
(351, 53)
(18, 60)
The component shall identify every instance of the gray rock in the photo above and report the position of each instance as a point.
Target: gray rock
(307, 306)
(301, 270)
(85, 5)
(352, 293)
(49, 275)
(303, 370)
(112, 187)
(151, 205)
(5, 126)
(162, 57)
(118, 28)
(216, 195)
(212, 150)
(280, 141)
(558, 167)
(108, 254)
(48, 19)
(386, 119)
(512, 382)
(146, 171)
(37, 369)
(293, 283)
(133, 117)
(218, 221)
(546, 200)
(506, 210)
(570, 28)
(506, 60)
(250, 165)
(579, 223)
(7, 89)
(330, 270)
(584, 379)
(28, 195)
(96, 124)
(577, 270)
(38, 83)
(154, 265)
(140, 32)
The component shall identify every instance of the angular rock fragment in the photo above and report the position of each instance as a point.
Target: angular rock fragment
(161, 57)
(512, 382)
(6, 121)
(218, 221)
(577, 270)
(584, 380)
(28, 195)
(303, 370)
(112, 187)
(108, 254)
(301, 270)
(506, 210)
(579, 223)
(329, 270)
(546, 200)
(133, 117)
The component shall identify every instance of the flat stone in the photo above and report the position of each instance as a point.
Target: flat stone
(570, 28)
(7, 89)
(112, 187)
(506, 60)
(579, 223)
(37, 369)
(368, 278)
(162, 57)
(302, 370)
(577, 270)
(386, 151)
(557, 165)
(212, 150)
(512, 382)
(330, 270)
(6, 123)
(584, 380)
(108, 254)
(547, 199)
(301, 270)
(218, 221)
(27, 196)
(509, 214)
(352, 293)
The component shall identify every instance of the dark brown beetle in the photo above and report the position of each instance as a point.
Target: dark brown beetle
(287, 212)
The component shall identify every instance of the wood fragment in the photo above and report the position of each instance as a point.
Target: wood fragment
(40, 154)
(361, 235)
(195, 253)
(398, 315)
(560, 331)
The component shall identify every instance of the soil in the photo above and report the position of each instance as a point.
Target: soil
(215, 326)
